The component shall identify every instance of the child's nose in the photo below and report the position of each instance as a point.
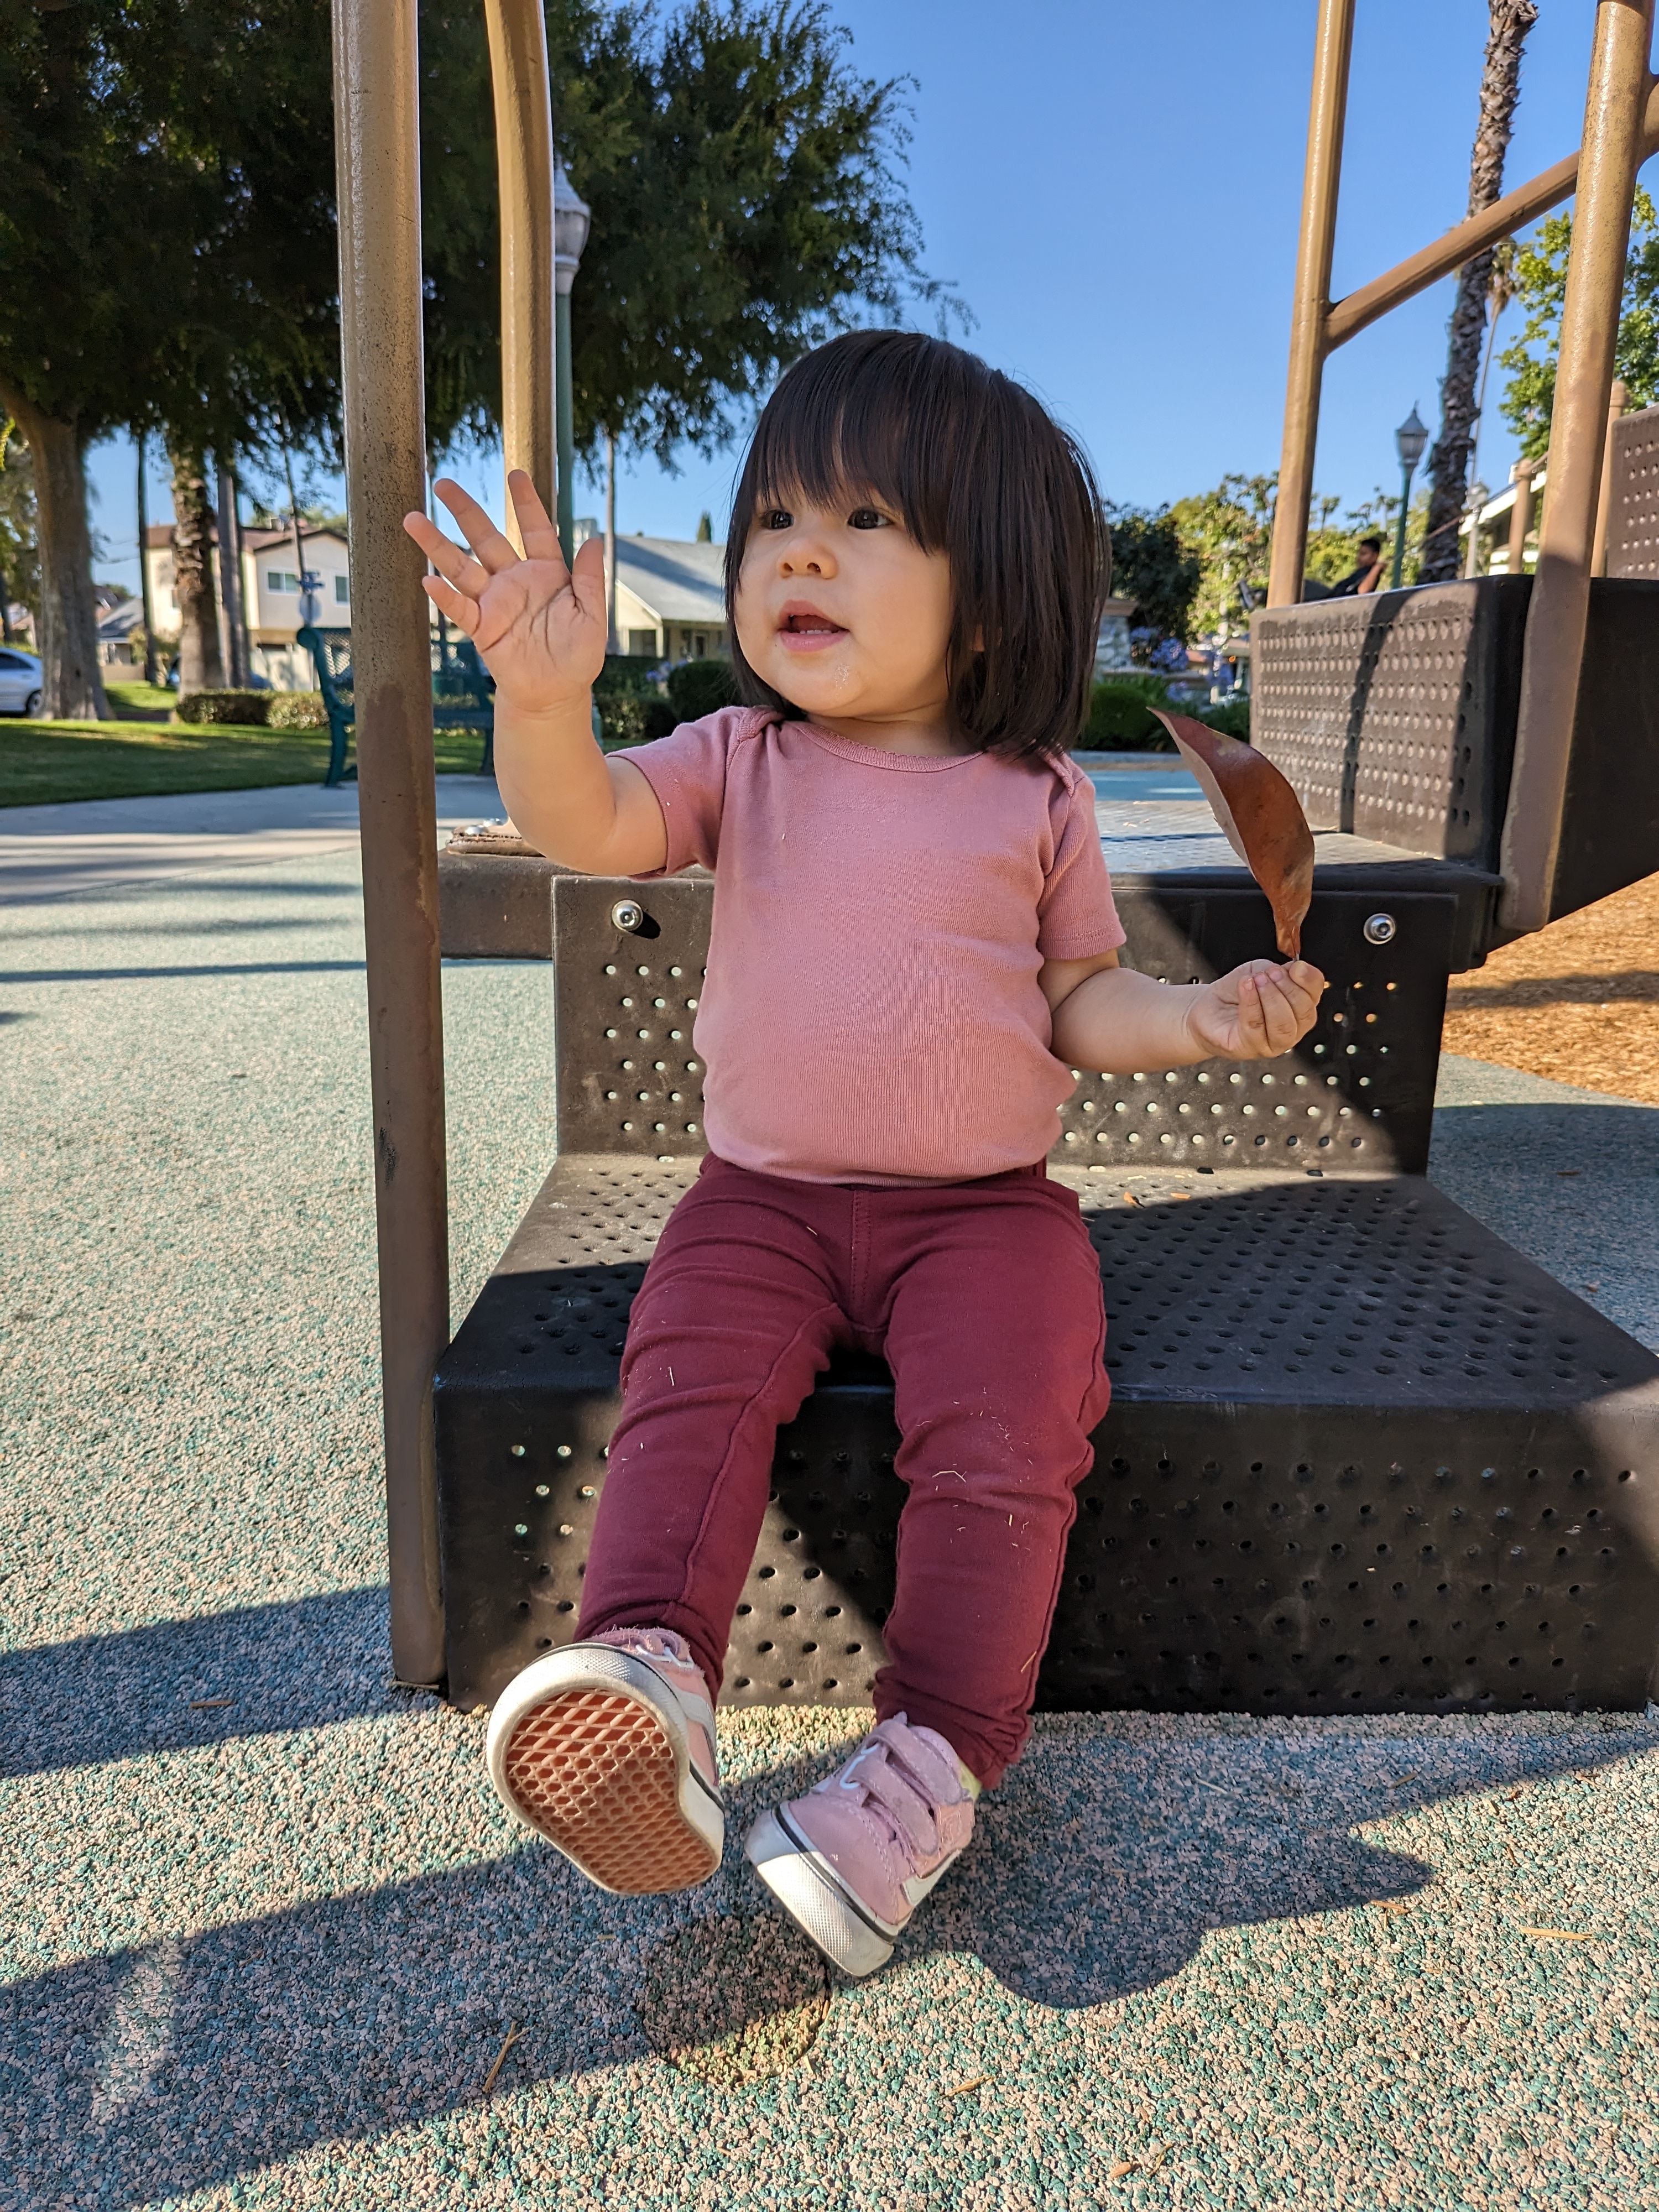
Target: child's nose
(807, 557)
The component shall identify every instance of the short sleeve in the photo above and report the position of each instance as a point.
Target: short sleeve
(687, 771)
(1077, 917)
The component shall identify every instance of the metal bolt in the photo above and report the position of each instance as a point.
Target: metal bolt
(628, 914)
(1380, 929)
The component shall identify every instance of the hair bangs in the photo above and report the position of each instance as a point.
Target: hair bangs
(977, 470)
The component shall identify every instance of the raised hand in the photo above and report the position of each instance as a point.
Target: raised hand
(539, 626)
(1257, 1011)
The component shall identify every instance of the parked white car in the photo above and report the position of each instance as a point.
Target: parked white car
(20, 681)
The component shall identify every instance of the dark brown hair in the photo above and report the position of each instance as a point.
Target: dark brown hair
(979, 471)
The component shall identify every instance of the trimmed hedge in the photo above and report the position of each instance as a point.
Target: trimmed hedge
(296, 710)
(208, 707)
(697, 688)
(634, 719)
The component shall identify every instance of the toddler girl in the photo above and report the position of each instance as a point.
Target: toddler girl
(913, 943)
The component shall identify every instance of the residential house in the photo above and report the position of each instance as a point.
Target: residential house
(671, 596)
(273, 604)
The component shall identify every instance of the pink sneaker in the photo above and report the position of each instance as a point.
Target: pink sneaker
(607, 1749)
(851, 1860)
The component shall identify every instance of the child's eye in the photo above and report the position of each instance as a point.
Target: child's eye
(777, 518)
(866, 518)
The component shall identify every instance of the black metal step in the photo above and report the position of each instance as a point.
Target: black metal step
(1362, 1456)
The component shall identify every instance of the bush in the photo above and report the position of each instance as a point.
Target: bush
(630, 676)
(200, 706)
(296, 710)
(697, 688)
(633, 720)
(1118, 719)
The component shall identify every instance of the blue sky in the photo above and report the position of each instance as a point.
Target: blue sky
(1114, 188)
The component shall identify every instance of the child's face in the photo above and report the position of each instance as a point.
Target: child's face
(840, 612)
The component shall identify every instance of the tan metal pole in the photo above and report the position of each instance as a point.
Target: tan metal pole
(524, 169)
(1618, 86)
(1617, 400)
(378, 163)
(1327, 111)
(1521, 516)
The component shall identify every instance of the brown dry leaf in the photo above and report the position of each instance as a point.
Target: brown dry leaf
(973, 2081)
(1116, 2171)
(1563, 1935)
(203, 1705)
(1261, 816)
(1154, 2158)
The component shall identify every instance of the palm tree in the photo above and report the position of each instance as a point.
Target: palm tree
(1448, 463)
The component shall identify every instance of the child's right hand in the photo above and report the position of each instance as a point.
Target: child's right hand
(540, 626)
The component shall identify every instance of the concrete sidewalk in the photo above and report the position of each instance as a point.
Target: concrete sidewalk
(103, 844)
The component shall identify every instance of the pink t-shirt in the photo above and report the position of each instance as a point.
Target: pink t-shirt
(872, 1012)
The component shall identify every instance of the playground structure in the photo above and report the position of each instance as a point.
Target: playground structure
(1361, 1457)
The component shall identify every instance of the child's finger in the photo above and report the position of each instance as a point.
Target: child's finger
(448, 558)
(535, 527)
(461, 610)
(495, 550)
(1252, 1027)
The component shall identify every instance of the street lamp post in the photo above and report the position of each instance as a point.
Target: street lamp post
(1409, 440)
(570, 220)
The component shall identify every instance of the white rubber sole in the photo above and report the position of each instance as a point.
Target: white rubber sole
(590, 1748)
(819, 1903)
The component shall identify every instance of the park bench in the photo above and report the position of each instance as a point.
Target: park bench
(1362, 1456)
(463, 695)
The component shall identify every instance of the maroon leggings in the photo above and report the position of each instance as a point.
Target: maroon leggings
(985, 1298)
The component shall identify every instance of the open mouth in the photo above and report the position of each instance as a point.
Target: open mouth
(803, 628)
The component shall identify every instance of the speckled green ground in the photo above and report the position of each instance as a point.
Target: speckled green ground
(265, 1952)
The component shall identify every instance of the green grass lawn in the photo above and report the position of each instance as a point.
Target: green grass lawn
(42, 763)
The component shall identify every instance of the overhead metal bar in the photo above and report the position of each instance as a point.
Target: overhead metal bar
(1357, 311)
(524, 168)
(1556, 617)
(377, 139)
(1327, 112)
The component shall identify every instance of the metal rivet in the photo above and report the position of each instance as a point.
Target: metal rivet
(564, 1451)
(1380, 929)
(628, 914)
(517, 1451)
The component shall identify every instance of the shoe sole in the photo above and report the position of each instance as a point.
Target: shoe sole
(594, 1757)
(820, 1906)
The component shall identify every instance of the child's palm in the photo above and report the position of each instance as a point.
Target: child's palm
(539, 626)
(1257, 1011)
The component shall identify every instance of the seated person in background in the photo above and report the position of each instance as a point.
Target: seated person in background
(1367, 575)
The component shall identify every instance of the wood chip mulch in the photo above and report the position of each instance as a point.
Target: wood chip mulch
(1579, 1002)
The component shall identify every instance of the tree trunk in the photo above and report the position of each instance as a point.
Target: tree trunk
(1448, 463)
(72, 684)
(201, 668)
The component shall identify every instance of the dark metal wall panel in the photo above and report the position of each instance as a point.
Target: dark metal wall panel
(1394, 715)
(1361, 1457)
(495, 906)
(1633, 515)
(1358, 1090)
(1610, 824)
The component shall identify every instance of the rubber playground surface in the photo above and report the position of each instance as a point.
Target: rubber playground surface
(269, 1940)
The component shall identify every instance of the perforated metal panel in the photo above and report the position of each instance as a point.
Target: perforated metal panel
(1394, 715)
(1360, 1087)
(1361, 1457)
(1633, 514)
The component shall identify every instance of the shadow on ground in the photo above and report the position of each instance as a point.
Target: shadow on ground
(1097, 1871)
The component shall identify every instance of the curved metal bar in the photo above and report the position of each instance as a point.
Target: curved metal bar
(1560, 607)
(524, 168)
(1358, 310)
(1327, 112)
(377, 137)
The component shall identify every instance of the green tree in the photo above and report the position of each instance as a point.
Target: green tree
(167, 255)
(1150, 566)
(1541, 284)
(1229, 531)
(19, 547)
(747, 203)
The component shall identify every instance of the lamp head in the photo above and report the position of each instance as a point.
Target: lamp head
(571, 214)
(1410, 439)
